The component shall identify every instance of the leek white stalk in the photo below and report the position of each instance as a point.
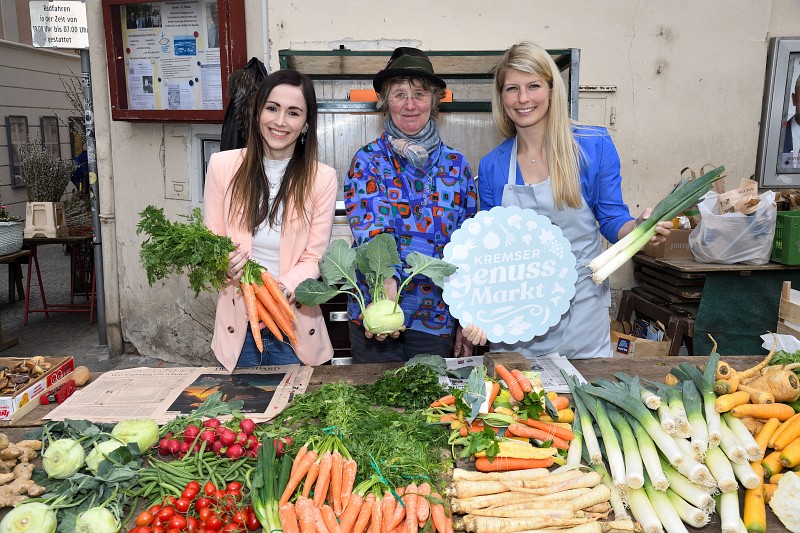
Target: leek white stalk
(667, 420)
(693, 493)
(634, 406)
(746, 475)
(692, 468)
(705, 384)
(721, 469)
(615, 499)
(730, 444)
(675, 399)
(729, 512)
(616, 462)
(634, 473)
(642, 510)
(689, 513)
(694, 413)
(746, 439)
(575, 445)
(587, 426)
(666, 513)
(684, 195)
(650, 457)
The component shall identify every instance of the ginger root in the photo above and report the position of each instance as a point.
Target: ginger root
(16, 468)
(21, 487)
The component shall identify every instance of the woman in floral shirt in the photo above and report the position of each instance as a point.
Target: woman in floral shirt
(409, 184)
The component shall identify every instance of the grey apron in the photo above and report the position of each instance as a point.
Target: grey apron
(583, 331)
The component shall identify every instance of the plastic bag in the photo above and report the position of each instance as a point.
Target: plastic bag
(734, 237)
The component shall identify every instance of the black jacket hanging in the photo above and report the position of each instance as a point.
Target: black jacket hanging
(242, 86)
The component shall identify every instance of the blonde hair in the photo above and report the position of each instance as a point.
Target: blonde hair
(562, 151)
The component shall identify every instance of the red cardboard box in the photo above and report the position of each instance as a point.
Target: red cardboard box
(18, 405)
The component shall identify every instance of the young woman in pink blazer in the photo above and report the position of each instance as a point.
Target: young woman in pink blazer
(276, 202)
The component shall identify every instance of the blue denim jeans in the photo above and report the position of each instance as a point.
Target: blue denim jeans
(275, 352)
(403, 348)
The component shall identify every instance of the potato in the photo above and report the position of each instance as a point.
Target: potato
(80, 376)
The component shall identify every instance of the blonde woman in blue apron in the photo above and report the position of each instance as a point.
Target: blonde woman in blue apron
(566, 172)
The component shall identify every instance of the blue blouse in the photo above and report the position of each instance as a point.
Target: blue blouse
(599, 174)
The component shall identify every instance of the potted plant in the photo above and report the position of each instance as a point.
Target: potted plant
(46, 178)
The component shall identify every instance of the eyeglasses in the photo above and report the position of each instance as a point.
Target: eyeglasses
(400, 97)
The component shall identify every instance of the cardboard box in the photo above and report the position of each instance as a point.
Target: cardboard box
(623, 345)
(510, 360)
(15, 407)
(676, 245)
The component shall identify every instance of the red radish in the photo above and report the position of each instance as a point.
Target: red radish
(247, 425)
(251, 441)
(208, 436)
(227, 437)
(218, 447)
(235, 451)
(251, 452)
(163, 447)
(196, 447)
(190, 433)
(278, 443)
(241, 438)
(174, 446)
(184, 447)
(211, 423)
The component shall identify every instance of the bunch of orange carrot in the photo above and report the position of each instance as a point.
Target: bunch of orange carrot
(321, 485)
(265, 302)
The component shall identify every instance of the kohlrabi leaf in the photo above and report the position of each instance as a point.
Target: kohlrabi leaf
(314, 292)
(378, 258)
(474, 392)
(338, 263)
(436, 269)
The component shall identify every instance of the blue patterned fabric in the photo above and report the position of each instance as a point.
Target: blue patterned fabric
(420, 208)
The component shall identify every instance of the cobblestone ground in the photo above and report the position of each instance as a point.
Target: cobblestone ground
(62, 333)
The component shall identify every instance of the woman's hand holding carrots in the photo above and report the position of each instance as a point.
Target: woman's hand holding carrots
(236, 262)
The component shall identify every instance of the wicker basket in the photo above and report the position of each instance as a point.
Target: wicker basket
(10, 236)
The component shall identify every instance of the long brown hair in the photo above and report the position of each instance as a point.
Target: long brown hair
(250, 201)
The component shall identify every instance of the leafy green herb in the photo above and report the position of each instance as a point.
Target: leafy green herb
(478, 441)
(412, 386)
(402, 445)
(377, 260)
(784, 358)
(531, 406)
(175, 248)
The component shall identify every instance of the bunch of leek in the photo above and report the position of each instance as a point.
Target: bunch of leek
(685, 195)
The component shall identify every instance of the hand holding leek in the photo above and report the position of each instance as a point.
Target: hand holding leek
(685, 194)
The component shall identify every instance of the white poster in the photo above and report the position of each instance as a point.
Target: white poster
(141, 84)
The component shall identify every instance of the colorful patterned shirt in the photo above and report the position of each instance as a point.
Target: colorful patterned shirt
(421, 208)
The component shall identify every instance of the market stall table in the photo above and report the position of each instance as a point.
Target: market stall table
(653, 369)
(14, 283)
(77, 266)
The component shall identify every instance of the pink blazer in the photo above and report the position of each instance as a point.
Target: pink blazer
(301, 249)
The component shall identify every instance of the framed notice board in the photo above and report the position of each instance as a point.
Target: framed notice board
(170, 60)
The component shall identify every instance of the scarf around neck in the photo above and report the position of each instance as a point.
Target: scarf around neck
(415, 148)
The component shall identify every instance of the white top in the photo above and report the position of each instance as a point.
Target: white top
(266, 240)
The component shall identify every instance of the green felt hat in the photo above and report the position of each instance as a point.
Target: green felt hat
(407, 61)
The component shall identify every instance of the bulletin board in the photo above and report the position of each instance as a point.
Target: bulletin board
(170, 60)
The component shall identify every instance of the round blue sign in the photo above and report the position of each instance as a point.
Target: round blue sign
(516, 274)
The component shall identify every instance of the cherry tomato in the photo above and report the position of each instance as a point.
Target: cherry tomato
(157, 522)
(252, 522)
(202, 503)
(237, 517)
(192, 524)
(182, 505)
(169, 500)
(209, 488)
(234, 485)
(204, 513)
(213, 523)
(173, 530)
(232, 528)
(166, 513)
(194, 485)
(144, 519)
(140, 529)
(158, 529)
(177, 522)
(189, 493)
(229, 503)
(154, 509)
(236, 494)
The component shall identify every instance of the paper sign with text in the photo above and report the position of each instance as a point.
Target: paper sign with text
(59, 24)
(516, 274)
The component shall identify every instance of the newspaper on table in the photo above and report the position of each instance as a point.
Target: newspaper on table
(548, 367)
(165, 393)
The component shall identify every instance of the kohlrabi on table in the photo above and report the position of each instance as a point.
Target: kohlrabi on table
(376, 260)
